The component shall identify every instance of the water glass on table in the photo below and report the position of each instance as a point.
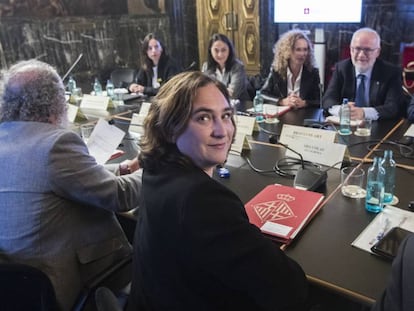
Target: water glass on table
(363, 128)
(352, 179)
(270, 113)
(86, 131)
(76, 96)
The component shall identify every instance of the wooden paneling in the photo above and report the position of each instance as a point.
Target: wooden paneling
(239, 20)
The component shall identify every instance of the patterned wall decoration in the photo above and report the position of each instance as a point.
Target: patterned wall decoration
(60, 8)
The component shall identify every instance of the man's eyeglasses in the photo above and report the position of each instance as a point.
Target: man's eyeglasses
(366, 51)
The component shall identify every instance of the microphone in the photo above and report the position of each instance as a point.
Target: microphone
(310, 178)
(71, 67)
(273, 140)
(318, 123)
(191, 67)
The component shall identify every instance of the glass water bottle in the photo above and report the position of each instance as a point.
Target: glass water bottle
(97, 87)
(110, 89)
(375, 187)
(389, 166)
(345, 118)
(258, 106)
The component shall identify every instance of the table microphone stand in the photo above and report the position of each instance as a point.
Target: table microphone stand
(317, 123)
(71, 67)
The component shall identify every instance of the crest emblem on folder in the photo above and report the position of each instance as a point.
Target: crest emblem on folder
(275, 209)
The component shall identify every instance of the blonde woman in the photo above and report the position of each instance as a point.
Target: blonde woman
(293, 77)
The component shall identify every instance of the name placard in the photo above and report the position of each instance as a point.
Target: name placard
(94, 107)
(136, 125)
(293, 131)
(410, 131)
(317, 151)
(72, 112)
(240, 143)
(145, 106)
(315, 145)
(94, 102)
(245, 124)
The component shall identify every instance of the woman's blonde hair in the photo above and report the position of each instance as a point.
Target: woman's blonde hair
(283, 50)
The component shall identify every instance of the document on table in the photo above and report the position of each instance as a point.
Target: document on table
(104, 140)
(280, 110)
(390, 217)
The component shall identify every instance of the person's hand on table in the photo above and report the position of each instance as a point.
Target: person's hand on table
(357, 113)
(293, 101)
(136, 88)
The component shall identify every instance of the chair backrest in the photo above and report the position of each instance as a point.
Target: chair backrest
(112, 278)
(106, 300)
(122, 77)
(24, 287)
(407, 62)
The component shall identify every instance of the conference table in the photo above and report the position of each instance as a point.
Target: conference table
(323, 248)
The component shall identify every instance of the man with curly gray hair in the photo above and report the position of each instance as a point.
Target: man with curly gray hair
(56, 203)
(32, 91)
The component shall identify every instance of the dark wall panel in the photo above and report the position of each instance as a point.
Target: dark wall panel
(109, 32)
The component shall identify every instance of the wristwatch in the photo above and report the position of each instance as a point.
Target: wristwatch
(124, 169)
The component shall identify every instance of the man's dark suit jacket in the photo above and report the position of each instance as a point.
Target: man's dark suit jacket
(410, 110)
(276, 86)
(194, 249)
(385, 93)
(398, 295)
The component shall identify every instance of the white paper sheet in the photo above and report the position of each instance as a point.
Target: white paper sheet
(104, 140)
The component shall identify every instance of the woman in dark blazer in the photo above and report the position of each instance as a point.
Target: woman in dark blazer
(194, 248)
(223, 65)
(156, 69)
(293, 79)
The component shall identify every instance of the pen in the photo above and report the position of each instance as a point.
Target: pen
(382, 232)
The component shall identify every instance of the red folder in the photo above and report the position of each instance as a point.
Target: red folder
(282, 211)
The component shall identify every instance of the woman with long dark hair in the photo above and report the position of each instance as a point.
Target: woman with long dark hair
(223, 65)
(156, 69)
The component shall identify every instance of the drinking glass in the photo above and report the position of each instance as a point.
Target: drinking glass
(364, 128)
(76, 96)
(352, 179)
(86, 131)
(270, 113)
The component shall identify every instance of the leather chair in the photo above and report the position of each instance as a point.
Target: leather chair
(24, 287)
(106, 300)
(122, 77)
(113, 278)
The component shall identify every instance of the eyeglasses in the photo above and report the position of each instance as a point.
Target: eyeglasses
(366, 51)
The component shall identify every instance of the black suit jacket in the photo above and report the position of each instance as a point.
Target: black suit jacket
(385, 93)
(194, 249)
(399, 292)
(276, 86)
(166, 70)
(410, 110)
